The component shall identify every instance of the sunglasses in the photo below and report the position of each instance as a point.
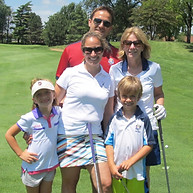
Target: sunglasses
(98, 21)
(88, 50)
(136, 43)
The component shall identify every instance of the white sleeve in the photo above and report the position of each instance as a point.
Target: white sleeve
(64, 78)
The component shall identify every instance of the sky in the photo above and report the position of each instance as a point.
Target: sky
(43, 8)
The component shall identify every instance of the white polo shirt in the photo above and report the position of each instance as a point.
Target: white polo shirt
(150, 78)
(44, 133)
(127, 137)
(85, 100)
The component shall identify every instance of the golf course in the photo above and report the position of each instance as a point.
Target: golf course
(19, 64)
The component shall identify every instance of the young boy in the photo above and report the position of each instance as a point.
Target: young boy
(129, 140)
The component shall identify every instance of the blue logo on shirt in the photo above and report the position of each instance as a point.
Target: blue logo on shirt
(111, 61)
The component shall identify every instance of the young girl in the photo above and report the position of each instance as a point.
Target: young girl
(43, 122)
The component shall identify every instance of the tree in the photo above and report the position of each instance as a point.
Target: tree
(35, 29)
(5, 13)
(55, 30)
(66, 26)
(156, 18)
(185, 9)
(78, 24)
(21, 21)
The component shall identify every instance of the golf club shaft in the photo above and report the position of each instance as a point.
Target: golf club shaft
(123, 183)
(163, 151)
(93, 156)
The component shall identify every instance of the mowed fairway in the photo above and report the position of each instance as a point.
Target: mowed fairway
(19, 64)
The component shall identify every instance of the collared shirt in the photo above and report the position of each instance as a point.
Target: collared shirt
(44, 133)
(85, 100)
(127, 137)
(150, 78)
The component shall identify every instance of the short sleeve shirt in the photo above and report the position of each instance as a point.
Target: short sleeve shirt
(44, 133)
(85, 100)
(127, 137)
(150, 78)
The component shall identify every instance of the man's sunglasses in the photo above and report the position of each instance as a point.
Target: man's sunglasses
(98, 21)
(88, 50)
(136, 43)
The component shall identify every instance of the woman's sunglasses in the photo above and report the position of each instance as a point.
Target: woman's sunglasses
(136, 43)
(97, 50)
(98, 21)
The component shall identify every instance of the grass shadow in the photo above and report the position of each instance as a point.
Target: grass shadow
(189, 47)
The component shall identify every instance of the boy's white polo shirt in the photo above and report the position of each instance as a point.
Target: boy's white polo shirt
(127, 137)
(85, 100)
(44, 140)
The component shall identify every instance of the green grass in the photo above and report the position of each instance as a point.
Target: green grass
(19, 64)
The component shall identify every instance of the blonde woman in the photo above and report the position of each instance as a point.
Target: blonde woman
(134, 53)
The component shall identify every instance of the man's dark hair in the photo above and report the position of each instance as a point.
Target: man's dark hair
(108, 9)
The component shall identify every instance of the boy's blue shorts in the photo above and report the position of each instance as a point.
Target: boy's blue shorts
(153, 158)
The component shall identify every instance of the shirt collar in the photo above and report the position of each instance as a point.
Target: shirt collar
(145, 65)
(37, 114)
(138, 113)
(82, 69)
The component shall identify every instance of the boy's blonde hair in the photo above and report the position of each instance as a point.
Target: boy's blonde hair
(130, 84)
(33, 81)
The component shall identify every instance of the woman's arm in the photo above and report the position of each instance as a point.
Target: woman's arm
(108, 113)
(160, 112)
(159, 95)
(60, 93)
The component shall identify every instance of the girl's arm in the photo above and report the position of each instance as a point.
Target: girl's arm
(24, 155)
(144, 151)
(110, 159)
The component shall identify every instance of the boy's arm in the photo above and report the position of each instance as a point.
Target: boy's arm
(110, 159)
(143, 152)
(10, 137)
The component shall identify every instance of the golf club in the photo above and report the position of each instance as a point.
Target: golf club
(163, 151)
(93, 156)
(123, 183)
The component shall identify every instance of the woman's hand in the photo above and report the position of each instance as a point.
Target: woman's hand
(160, 112)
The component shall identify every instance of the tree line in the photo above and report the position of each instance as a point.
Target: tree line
(158, 19)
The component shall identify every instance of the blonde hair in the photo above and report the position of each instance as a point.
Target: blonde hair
(130, 84)
(33, 81)
(140, 36)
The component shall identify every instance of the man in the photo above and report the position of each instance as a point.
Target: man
(101, 21)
